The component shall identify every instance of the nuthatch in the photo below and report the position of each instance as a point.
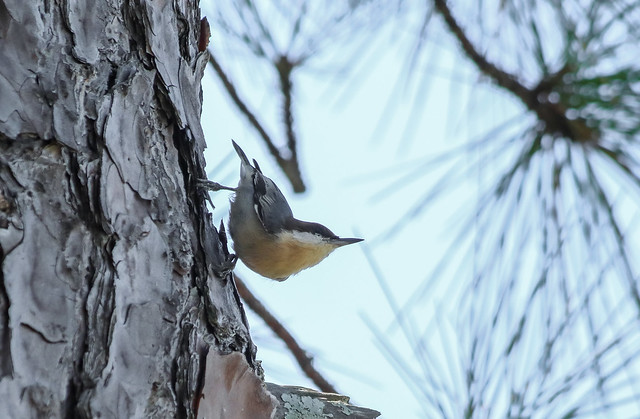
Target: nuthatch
(266, 236)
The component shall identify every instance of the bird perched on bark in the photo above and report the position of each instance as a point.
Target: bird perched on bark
(266, 236)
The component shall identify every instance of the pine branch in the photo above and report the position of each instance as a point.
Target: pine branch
(553, 115)
(301, 356)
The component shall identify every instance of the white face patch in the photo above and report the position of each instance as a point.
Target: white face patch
(302, 237)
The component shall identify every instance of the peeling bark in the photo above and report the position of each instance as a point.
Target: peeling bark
(107, 307)
(232, 390)
(116, 298)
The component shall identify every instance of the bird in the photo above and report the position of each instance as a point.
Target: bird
(266, 236)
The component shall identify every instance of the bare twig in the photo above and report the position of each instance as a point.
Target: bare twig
(301, 356)
(285, 67)
(502, 78)
(289, 166)
(233, 93)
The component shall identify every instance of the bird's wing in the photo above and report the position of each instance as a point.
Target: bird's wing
(269, 203)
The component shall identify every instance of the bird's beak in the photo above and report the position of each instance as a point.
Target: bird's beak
(343, 241)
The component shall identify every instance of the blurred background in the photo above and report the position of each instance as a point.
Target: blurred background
(487, 151)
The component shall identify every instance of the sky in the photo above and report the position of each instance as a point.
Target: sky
(358, 135)
(345, 163)
(323, 306)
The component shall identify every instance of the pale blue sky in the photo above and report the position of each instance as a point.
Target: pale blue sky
(347, 157)
(345, 163)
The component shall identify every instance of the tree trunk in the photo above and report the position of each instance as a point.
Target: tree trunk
(107, 307)
(116, 297)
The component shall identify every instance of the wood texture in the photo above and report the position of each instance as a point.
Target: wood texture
(116, 297)
(107, 306)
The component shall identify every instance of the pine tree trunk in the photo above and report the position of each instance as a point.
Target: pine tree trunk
(116, 299)
(107, 307)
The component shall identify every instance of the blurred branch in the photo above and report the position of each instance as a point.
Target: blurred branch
(544, 320)
(289, 166)
(285, 67)
(304, 360)
(233, 93)
(537, 100)
(286, 35)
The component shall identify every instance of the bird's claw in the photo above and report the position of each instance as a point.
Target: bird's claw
(226, 267)
(212, 186)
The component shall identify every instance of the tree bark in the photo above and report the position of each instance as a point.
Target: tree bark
(108, 306)
(116, 293)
